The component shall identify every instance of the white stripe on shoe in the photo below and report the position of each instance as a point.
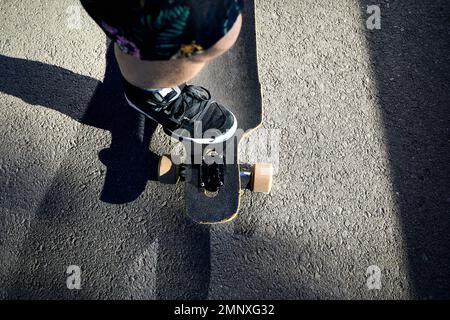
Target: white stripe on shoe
(222, 138)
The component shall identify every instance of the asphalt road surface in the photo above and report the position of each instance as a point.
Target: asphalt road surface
(360, 206)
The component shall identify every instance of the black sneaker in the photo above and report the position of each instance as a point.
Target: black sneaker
(188, 114)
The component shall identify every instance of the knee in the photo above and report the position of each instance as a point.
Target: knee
(223, 45)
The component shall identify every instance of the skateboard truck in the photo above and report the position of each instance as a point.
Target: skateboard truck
(256, 178)
(212, 172)
(211, 177)
(246, 176)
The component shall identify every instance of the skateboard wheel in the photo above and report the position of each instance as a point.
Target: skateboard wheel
(167, 171)
(262, 178)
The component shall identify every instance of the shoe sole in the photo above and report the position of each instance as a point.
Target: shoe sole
(222, 138)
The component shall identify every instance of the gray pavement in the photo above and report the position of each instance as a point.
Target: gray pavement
(362, 180)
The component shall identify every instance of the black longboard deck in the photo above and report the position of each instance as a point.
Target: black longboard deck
(233, 80)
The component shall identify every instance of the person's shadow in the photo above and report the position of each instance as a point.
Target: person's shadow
(129, 162)
(183, 259)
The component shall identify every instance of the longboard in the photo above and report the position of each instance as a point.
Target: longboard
(214, 178)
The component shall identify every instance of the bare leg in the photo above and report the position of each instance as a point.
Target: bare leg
(164, 74)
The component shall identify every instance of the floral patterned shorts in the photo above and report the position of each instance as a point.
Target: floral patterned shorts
(164, 29)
